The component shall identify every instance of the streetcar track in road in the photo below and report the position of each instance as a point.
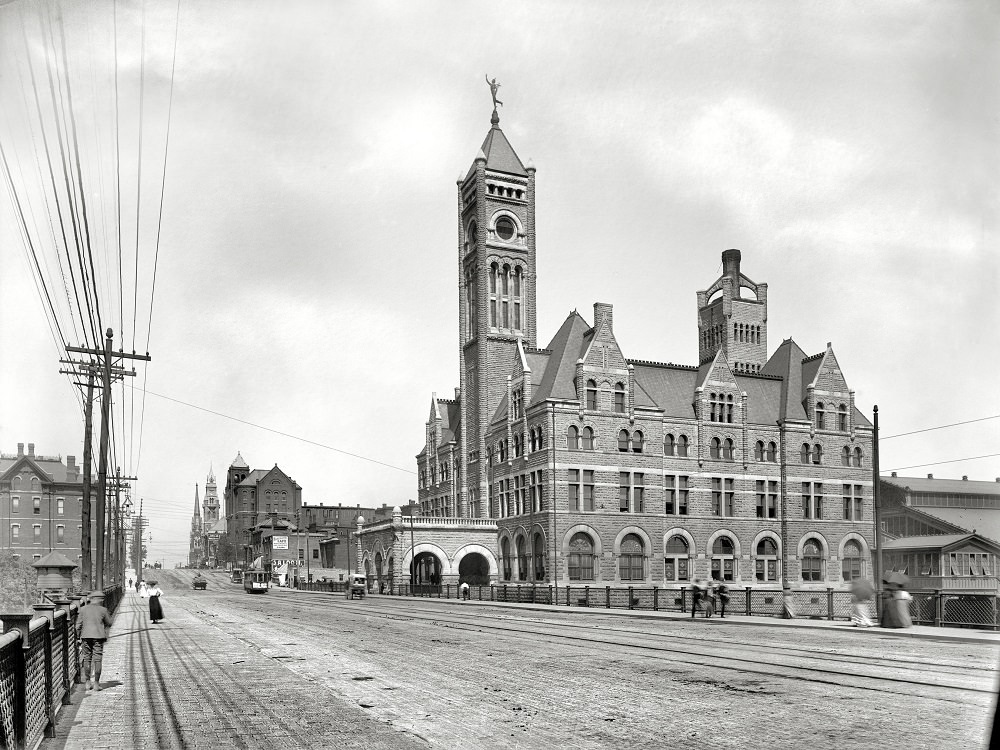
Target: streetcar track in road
(769, 649)
(725, 661)
(157, 684)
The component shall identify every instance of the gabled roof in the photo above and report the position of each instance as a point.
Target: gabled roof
(786, 362)
(219, 527)
(238, 462)
(253, 477)
(500, 156)
(48, 469)
(942, 541)
(566, 347)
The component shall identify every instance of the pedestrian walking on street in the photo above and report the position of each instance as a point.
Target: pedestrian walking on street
(787, 606)
(155, 609)
(143, 589)
(723, 598)
(695, 595)
(92, 625)
(861, 592)
(464, 588)
(709, 598)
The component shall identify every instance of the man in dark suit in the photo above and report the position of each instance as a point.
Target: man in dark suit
(92, 628)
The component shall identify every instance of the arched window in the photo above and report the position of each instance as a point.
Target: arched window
(505, 555)
(772, 452)
(682, 446)
(517, 298)
(623, 441)
(842, 418)
(675, 559)
(637, 441)
(494, 272)
(820, 413)
(817, 454)
(728, 450)
(470, 238)
(812, 561)
(631, 560)
(572, 438)
(581, 558)
(845, 456)
(852, 567)
(539, 561)
(522, 559)
(723, 559)
(620, 398)
(588, 439)
(729, 409)
(805, 453)
(766, 560)
(857, 457)
(758, 451)
(713, 414)
(715, 448)
(669, 445)
(592, 395)
(503, 450)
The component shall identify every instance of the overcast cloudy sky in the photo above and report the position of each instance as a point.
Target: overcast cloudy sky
(306, 277)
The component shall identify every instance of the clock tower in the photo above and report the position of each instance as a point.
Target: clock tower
(497, 277)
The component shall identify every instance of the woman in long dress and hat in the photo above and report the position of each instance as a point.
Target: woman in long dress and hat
(155, 610)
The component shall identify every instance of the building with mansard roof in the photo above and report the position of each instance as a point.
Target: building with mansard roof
(570, 462)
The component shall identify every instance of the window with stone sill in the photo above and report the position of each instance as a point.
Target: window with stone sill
(766, 561)
(675, 560)
(812, 561)
(581, 558)
(631, 559)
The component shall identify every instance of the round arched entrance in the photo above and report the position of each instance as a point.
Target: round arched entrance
(425, 570)
(474, 569)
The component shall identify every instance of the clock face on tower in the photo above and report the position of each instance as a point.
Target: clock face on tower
(505, 229)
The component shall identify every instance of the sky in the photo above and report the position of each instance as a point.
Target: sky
(297, 282)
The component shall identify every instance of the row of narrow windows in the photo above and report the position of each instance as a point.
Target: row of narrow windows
(635, 442)
(746, 367)
(505, 296)
(820, 417)
(36, 505)
(590, 397)
(746, 333)
(36, 533)
(632, 560)
(721, 407)
(432, 474)
(502, 190)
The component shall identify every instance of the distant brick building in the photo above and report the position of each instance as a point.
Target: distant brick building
(593, 467)
(41, 506)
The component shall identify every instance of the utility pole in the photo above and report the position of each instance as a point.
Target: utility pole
(115, 553)
(90, 369)
(875, 507)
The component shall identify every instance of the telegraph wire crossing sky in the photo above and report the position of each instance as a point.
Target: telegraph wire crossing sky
(305, 270)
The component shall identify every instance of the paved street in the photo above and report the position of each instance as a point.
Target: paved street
(302, 670)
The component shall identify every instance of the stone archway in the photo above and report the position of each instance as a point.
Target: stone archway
(425, 570)
(474, 569)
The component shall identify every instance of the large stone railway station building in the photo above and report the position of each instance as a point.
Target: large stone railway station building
(571, 463)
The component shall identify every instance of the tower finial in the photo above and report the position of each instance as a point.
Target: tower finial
(494, 87)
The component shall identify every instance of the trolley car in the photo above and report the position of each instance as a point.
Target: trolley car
(255, 581)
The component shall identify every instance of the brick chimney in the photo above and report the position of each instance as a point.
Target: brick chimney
(31, 449)
(20, 449)
(72, 471)
(602, 310)
(930, 476)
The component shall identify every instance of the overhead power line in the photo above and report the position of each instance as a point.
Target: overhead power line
(279, 432)
(939, 427)
(938, 463)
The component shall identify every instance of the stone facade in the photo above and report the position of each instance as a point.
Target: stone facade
(598, 468)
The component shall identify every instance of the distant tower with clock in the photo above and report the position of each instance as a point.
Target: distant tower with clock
(496, 259)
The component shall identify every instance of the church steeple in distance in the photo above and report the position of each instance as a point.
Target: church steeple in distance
(496, 257)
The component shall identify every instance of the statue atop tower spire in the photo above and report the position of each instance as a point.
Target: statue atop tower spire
(494, 87)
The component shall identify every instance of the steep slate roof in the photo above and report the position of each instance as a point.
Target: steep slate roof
(763, 398)
(451, 416)
(566, 346)
(51, 469)
(253, 477)
(670, 387)
(786, 362)
(500, 156)
(239, 462)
